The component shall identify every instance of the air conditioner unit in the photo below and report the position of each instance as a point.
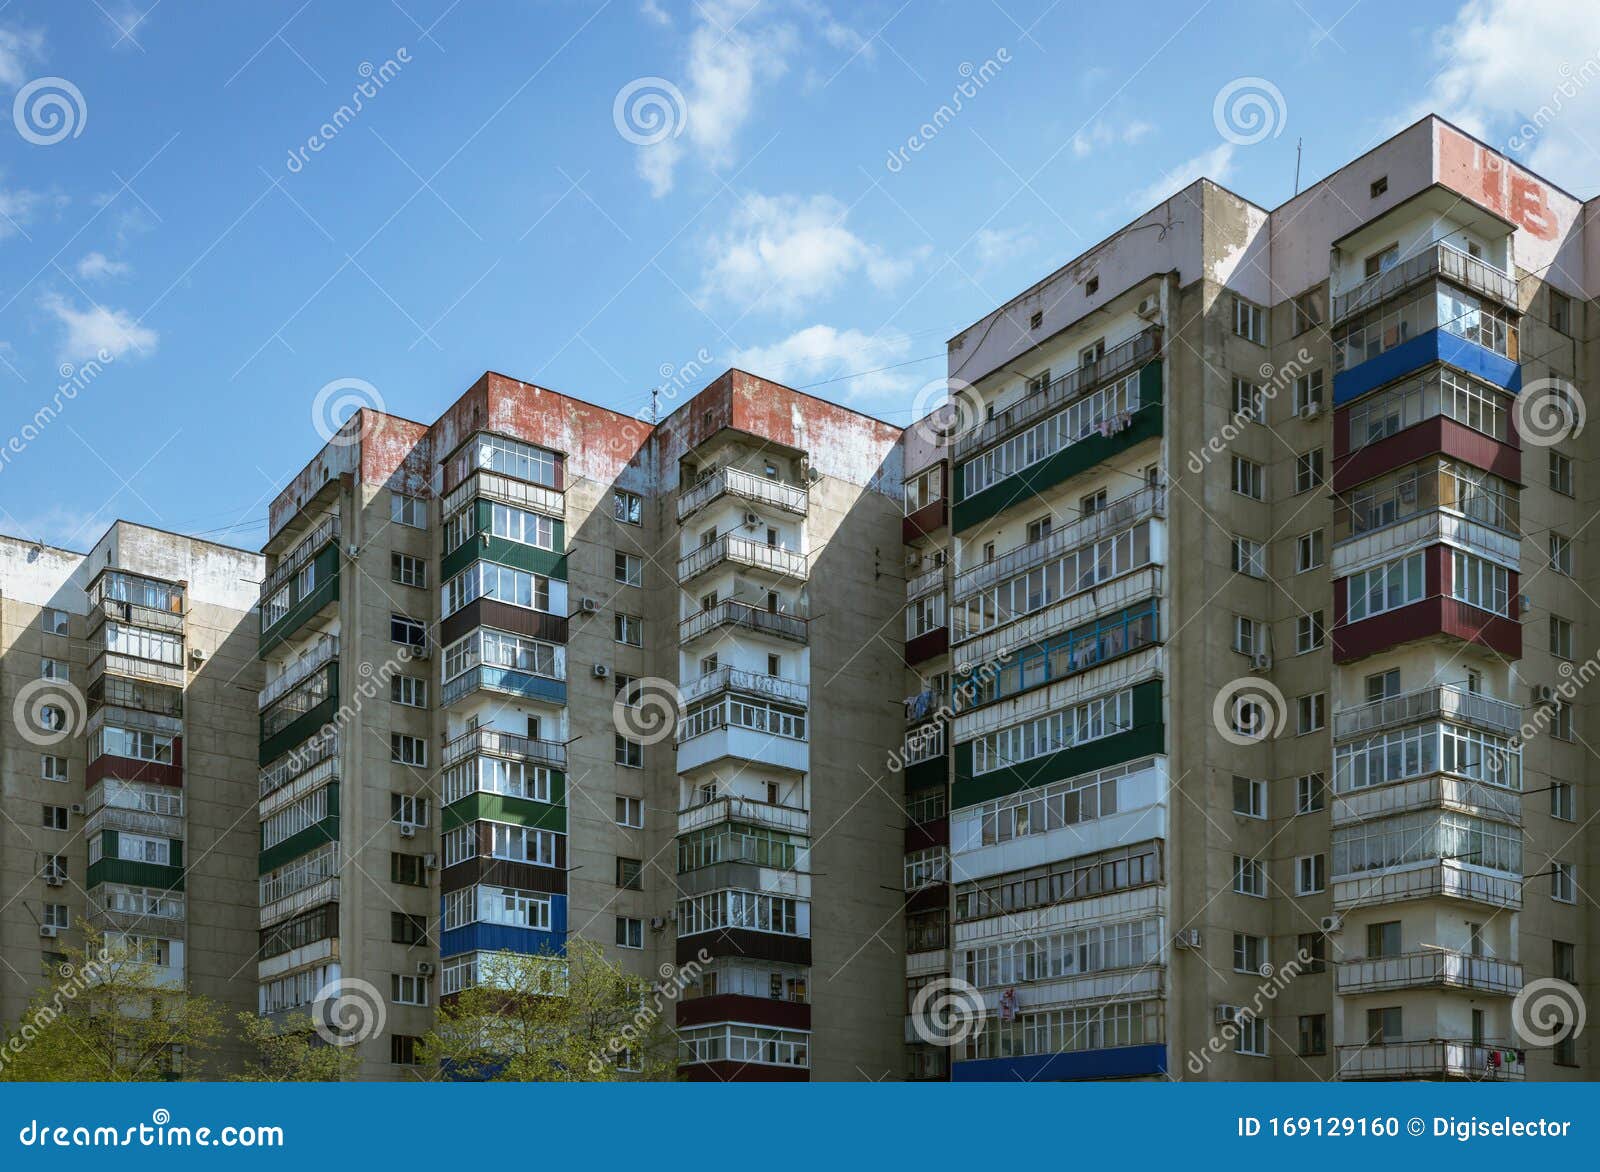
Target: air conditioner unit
(1187, 938)
(913, 560)
(1332, 925)
(1311, 410)
(483, 538)
(1524, 603)
(197, 655)
(430, 862)
(601, 671)
(424, 968)
(1261, 661)
(657, 923)
(353, 550)
(55, 880)
(1149, 307)
(1226, 1014)
(77, 807)
(408, 830)
(589, 606)
(49, 931)
(1543, 694)
(751, 520)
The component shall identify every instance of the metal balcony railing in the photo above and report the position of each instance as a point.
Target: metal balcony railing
(1446, 879)
(1433, 1058)
(735, 809)
(751, 683)
(791, 498)
(924, 583)
(117, 664)
(133, 614)
(505, 744)
(731, 613)
(299, 761)
(328, 530)
(1452, 970)
(741, 551)
(1437, 791)
(326, 651)
(1441, 260)
(1117, 361)
(1441, 701)
(507, 490)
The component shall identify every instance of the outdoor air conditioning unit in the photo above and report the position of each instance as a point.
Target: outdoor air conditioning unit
(1332, 925)
(658, 923)
(77, 807)
(1149, 308)
(751, 520)
(589, 606)
(353, 550)
(48, 931)
(1524, 603)
(430, 862)
(1226, 1014)
(408, 830)
(601, 671)
(1187, 938)
(1311, 410)
(424, 968)
(197, 655)
(54, 880)
(1261, 661)
(1543, 694)
(913, 560)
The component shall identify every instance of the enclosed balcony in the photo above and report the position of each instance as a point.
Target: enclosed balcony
(1439, 260)
(791, 819)
(324, 653)
(735, 482)
(1441, 879)
(1433, 969)
(731, 550)
(1432, 1059)
(733, 726)
(327, 530)
(133, 667)
(505, 681)
(749, 683)
(508, 490)
(504, 744)
(733, 614)
(1441, 791)
(1447, 701)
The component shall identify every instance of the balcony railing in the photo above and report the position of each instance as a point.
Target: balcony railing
(1441, 260)
(300, 761)
(1439, 791)
(731, 613)
(1119, 514)
(117, 664)
(1445, 701)
(325, 652)
(302, 553)
(790, 498)
(924, 583)
(133, 821)
(734, 809)
(1119, 360)
(733, 679)
(1445, 879)
(505, 744)
(1434, 1058)
(741, 551)
(1450, 970)
(507, 490)
(924, 744)
(133, 614)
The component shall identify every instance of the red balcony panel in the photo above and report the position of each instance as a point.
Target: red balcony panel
(131, 769)
(920, 836)
(931, 898)
(928, 646)
(927, 521)
(743, 1072)
(1437, 614)
(764, 1011)
(747, 943)
(1431, 437)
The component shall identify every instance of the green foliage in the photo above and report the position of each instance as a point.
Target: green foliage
(292, 1052)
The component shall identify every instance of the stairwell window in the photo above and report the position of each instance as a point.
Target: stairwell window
(1308, 634)
(1308, 470)
(1249, 404)
(1310, 793)
(1308, 551)
(1563, 882)
(1249, 479)
(1249, 877)
(1560, 553)
(1249, 321)
(1312, 712)
(1310, 874)
(1249, 557)
(627, 507)
(1250, 797)
(404, 750)
(408, 510)
(628, 629)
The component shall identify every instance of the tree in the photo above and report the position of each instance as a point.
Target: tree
(292, 1052)
(111, 1013)
(554, 1018)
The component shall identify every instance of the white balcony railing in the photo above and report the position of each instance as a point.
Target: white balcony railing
(507, 490)
(327, 530)
(741, 551)
(735, 809)
(731, 613)
(1452, 970)
(1441, 260)
(791, 498)
(1434, 1058)
(1441, 701)
(326, 650)
(505, 744)
(751, 683)
(1438, 791)
(924, 583)
(1446, 879)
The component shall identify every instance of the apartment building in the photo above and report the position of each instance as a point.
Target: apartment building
(1241, 596)
(128, 676)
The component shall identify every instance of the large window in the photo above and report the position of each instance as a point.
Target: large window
(504, 584)
(1445, 392)
(496, 775)
(1061, 577)
(1067, 1031)
(497, 905)
(1046, 956)
(1386, 587)
(1479, 582)
(1430, 748)
(1436, 306)
(1107, 409)
(743, 909)
(1103, 716)
(501, 649)
(1419, 837)
(521, 526)
(512, 458)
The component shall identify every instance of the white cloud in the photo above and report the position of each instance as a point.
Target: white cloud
(655, 14)
(1104, 133)
(17, 47)
(995, 246)
(1515, 67)
(16, 209)
(97, 266)
(820, 352)
(786, 250)
(89, 331)
(1215, 164)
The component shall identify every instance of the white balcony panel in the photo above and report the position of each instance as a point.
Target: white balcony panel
(1443, 879)
(1142, 665)
(290, 905)
(971, 860)
(1121, 985)
(317, 952)
(1122, 905)
(745, 744)
(1427, 793)
(1431, 528)
(785, 818)
(927, 964)
(1083, 607)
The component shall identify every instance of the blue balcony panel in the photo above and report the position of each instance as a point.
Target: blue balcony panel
(1117, 1062)
(480, 937)
(1424, 350)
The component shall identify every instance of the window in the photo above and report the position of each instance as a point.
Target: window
(1313, 947)
(1252, 1039)
(408, 510)
(1310, 874)
(403, 1049)
(1561, 721)
(1310, 793)
(1382, 261)
(409, 989)
(1249, 877)
(1312, 711)
(1379, 186)
(52, 669)
(1091, 286)
(1036, 319)
(54, 622)
(55, 817)
(1560, 637)
(1308, 551)
(412, 808)
(630, 874)
(1249, 404)
(1560, 312)
(1249, 321)
(1561, 473)
(1249, 636)
(628, 753)
(55, 866)
(1564, 961)
(1249, 478)
(1250, 797)
(407, 869)
(1308, 391)
(1383, 939)
(1565, 1050)
(1307, 311)
(1038, 529)
(407, 632)
(1563, 882)
(1386, 587)
(57, 915)
(630, 811)
(1479, 582)
(1308, 632)
(630, 932)
(1308, 473)
(1385, 1027)
(1560, 553)
(523, 526)
(53, 768)
(408, 929)
(629, 569)
(1313, 1034)
(1093, 503)
(1249, 953)
(628, 629)
(1383, 685)
(411, 691)
(404, 750)
(407, 570)
(1563, 801)
(627, 507)
(1249, 557)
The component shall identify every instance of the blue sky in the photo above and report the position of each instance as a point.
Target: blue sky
(483, 210)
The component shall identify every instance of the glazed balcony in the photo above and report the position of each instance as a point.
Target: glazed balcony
(1432, 1059)
(1441, 260)
(1117, 361)
(134, 822)
(730, 613)
(505, 744)
(327, 530)
(1433, 527)
(1441, 791)
(508, 490)
(117, 610)
(505, 681)
(1429, 970)
(735, 482)
(791, 819)
(150, 671)
(308, 767)
(1441, 701)
(1441, 879)
(749, 683)
(730, 550)
(924, 583)
(325, 652)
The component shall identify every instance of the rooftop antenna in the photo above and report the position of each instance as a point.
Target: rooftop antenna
(1297, 145)
(655, 417)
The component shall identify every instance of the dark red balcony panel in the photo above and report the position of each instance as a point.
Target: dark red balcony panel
(743, 1072)
(764, 1011)
(920, 836)
(928, 646)
(1435, 616)
(927, 521)
(132, 769)
(931, 898)
(744, 942)
(1437, 436)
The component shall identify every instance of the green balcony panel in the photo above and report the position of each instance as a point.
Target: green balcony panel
(481, 807)
(501, 551)
(304, 725)
(303, 609)
(305, 841)
(110, 869)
